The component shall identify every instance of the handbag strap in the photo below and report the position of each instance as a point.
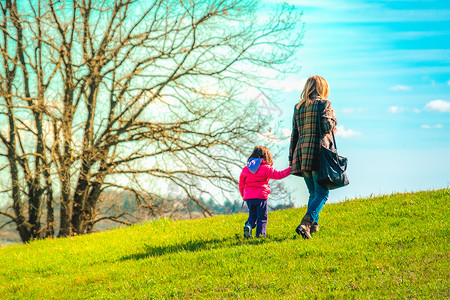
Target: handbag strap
(319, 114)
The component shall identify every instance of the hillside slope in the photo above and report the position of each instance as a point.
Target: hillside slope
(388, 246)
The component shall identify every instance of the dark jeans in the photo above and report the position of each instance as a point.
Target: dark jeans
(318, 195)
(257, 215)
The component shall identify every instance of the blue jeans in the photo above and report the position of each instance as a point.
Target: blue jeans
(257, 215)
(318, 195)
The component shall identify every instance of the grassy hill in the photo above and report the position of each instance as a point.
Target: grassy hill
(393, 246)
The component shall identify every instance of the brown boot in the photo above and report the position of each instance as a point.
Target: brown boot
(314, 228)
(304, 228)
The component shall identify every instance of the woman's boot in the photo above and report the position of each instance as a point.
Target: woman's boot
(304, 229)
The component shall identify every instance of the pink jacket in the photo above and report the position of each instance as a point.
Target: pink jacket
(254, 179)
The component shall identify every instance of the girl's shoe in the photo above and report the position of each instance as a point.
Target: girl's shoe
(247, 231)
(304, 229)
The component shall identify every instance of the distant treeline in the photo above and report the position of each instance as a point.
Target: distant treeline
(125, 203)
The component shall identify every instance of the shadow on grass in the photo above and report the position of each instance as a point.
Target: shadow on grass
(199, 245)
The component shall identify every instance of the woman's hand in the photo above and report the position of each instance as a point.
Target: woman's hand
(333, 114)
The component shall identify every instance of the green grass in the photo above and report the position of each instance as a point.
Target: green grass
(393, 246)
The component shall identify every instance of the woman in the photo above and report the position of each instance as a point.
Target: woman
(305, 146)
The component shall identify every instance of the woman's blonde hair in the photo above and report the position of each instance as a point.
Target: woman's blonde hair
(262, 152)
(315, 87)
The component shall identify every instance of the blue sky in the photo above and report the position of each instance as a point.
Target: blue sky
(388, 67)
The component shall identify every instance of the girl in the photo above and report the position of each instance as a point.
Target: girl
(254, 188)
(305, 144)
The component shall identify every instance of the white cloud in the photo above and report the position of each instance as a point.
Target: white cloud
(348, 110)
(448, 82)
(400, 109)
(400, 88)
(438, 105)
(346, 133)
(395, 109)
(426, 126)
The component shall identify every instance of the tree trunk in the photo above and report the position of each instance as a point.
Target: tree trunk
(50, 226)
(79, 204)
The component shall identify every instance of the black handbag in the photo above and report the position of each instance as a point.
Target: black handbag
(332, 166)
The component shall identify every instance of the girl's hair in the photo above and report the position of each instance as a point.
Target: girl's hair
(262, 152)
(315, 86)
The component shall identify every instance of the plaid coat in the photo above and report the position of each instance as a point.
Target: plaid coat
(305, 137)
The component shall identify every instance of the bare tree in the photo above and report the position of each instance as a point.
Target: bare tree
(129, 95)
